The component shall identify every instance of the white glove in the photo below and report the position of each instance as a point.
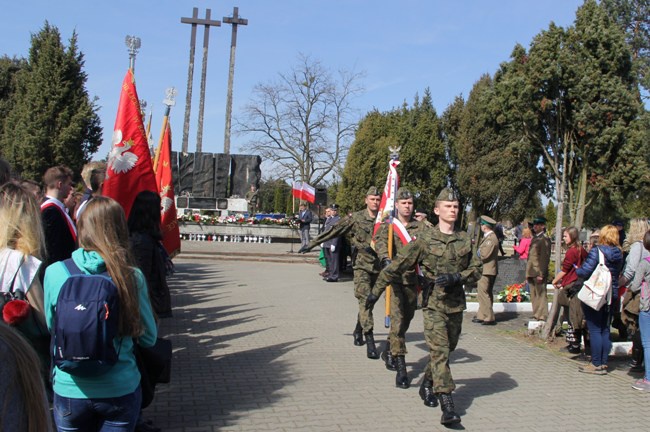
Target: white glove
(332, 248)
(322, 245)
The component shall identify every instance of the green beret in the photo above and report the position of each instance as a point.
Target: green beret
(487, 220)
(404, 194)
(447, 194)
(539, 220)
(372, 191)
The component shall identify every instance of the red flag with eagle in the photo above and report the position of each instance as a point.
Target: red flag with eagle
(129, 169)
(168, 222)
(387, 204)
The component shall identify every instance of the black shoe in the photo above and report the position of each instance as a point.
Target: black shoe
(371, 348)
(401, 379)
(477, 321)
(572, 349)
(357, 335)
(427, 395)
(449, 416)
(330, 280)
(388, 358)
(490, 323)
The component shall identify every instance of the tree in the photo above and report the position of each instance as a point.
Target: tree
(578, 104)
(53, 121)
(417, 131)
(303, 122)
(9, 71)
(494, 168)
(633, 16)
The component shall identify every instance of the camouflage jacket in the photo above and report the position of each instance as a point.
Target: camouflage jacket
(437, 253)
(414, 228)
(357, 229)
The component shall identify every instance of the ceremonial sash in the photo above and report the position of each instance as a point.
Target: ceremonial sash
(53, 202)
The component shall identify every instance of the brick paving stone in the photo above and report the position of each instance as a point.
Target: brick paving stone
(267, 346)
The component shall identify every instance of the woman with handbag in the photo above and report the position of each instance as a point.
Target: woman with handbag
(22, 250)
(565, 281)
(598, 321)
(110, 401)
(630, 300)
(640, 285)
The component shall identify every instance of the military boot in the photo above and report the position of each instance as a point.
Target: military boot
(358, 335)
(388, 358)
(401, 379)
(449, 416)
(371, 349)
(426, 393)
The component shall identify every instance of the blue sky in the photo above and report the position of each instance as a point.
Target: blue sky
(402, 47)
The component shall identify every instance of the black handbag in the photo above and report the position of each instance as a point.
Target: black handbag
(154, 364)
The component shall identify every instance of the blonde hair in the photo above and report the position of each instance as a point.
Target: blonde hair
(638, 228)
(26, 382)
(103, 229)
(87, 170)
(526, 233)
(20, 221)
(609, 236)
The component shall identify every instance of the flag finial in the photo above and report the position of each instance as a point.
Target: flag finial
(394, 152)
(133, 44)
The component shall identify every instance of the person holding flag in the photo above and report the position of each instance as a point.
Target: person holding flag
(447, 262)
(403, 300)
(358, 229)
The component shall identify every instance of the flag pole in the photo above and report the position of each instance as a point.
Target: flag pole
(169, 102)
(394, 156)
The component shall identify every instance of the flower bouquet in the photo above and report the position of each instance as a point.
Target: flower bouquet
(514, 293)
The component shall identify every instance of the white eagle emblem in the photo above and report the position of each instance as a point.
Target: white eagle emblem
(119, 159)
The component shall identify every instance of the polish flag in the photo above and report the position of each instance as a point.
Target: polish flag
(304, 191)
(387, 204)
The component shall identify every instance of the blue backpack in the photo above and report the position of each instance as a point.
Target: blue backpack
(86, 322)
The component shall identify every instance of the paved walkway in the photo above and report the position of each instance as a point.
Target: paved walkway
(267, 346)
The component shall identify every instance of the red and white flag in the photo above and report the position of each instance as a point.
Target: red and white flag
(168, 219)
(304, 191)
(387, 204)
(129, 169)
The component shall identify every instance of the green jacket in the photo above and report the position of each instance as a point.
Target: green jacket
(357, 229)
(437, 253)
(414, 228)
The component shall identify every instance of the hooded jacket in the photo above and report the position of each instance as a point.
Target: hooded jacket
(613, 260)
(124, 377)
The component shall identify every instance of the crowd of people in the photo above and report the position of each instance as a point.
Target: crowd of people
(47, 236)
(434, 263)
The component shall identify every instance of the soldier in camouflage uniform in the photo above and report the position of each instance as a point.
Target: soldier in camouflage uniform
(358, 229)
(446, 259)
(403, 300)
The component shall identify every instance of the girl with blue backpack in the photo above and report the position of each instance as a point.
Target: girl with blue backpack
(107, 395)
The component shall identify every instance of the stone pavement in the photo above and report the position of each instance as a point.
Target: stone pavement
(267, 346)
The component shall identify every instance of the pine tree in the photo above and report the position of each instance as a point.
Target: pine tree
(53, 121)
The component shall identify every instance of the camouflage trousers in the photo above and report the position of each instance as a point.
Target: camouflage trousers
(441, 332)
(363, 283)
(403, 302)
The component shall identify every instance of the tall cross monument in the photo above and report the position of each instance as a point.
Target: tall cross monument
(207, 22)
(235, 20)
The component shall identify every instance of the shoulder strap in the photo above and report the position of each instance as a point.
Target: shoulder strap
(13, 279)
(73, 269)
